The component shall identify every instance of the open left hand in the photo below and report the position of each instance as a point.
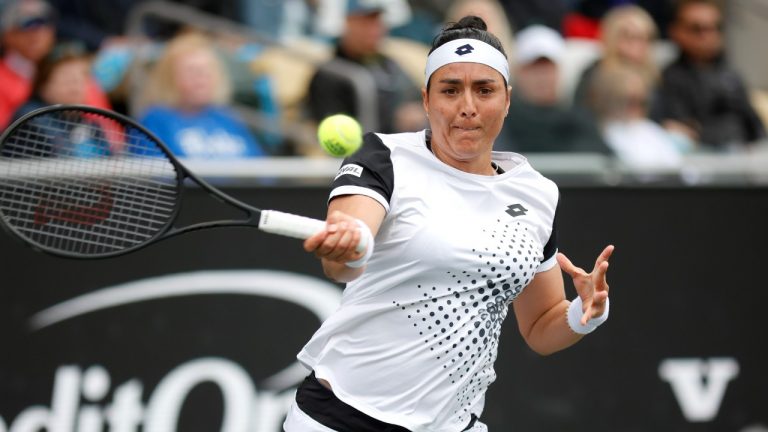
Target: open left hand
(592, 287)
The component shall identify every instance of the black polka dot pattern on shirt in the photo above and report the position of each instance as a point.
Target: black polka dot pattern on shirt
(460, 322)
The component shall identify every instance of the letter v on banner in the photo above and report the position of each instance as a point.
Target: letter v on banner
(699, 384)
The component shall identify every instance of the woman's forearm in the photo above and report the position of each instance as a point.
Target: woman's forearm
(551, 333)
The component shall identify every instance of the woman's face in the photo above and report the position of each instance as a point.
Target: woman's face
(195, 76)
(33, 43)
(67, 83)
(698, 31)
(363, 34)
(466, 105)
(633, 42)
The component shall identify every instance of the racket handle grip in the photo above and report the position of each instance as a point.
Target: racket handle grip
(291, 225)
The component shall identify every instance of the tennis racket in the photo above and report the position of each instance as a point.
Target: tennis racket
(82, 182)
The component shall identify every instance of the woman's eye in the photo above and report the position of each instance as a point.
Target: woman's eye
(450, 91)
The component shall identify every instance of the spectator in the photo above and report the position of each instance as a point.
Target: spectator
(627, 34)
(398, 104)
(27, 33)
(330, 16)
(103, 27)
(61, 77)
(700, 92)
(187, 93)
(536, 121)
(621, 103)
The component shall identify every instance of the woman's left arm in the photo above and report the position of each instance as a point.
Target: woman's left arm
(542, 309)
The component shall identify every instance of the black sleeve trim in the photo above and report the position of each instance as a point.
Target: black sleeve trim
(370, 168)
(551, 247)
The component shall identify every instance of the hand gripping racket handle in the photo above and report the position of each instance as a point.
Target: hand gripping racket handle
(291, 225)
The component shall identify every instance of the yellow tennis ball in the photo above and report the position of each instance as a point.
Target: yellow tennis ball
(340, 135)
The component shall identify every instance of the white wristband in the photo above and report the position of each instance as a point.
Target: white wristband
(575, 313)
(366, 237)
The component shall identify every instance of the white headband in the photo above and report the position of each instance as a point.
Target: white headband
(467, 51)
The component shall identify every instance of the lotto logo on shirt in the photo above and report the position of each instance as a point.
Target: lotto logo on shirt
(351, 169)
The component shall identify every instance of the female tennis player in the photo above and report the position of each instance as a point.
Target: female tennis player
(456, 232)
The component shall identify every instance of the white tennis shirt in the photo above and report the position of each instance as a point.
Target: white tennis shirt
(415, 338)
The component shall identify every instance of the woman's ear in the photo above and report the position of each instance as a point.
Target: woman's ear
(509, 99)
(425, 100)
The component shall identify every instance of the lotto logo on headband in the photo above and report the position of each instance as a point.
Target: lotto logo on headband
(469, 51)
(464, 49)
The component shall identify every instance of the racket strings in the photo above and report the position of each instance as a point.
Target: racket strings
(62, 137)
(24, 213)
(86, 184)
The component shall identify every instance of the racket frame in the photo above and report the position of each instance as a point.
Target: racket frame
(182, 173)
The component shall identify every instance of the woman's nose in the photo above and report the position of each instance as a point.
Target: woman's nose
(468, 108)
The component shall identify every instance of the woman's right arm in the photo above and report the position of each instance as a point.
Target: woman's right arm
(336, 244)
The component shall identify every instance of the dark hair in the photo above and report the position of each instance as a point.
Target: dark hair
(680, 5)
(469, 27)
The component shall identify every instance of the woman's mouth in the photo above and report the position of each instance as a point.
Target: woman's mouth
(467, 128)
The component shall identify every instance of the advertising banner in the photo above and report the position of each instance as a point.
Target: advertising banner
(200, 332)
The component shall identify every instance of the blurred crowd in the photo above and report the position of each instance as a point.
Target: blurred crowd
(645, 81)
